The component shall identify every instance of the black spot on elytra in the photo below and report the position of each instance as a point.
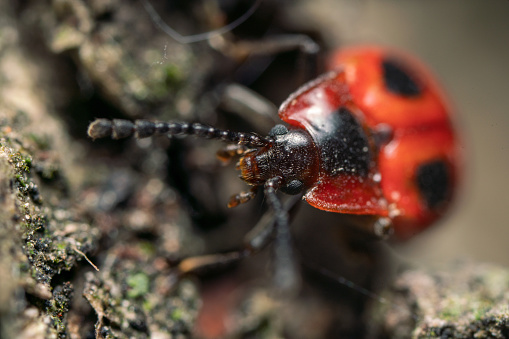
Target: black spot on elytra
(398, 80)
(434, 183)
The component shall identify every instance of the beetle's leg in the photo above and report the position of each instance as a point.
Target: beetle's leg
(239, 99)
(260, 112)
(230, 151)
(256, 240)
(268, 46)
(118, 129)
(242, 197)
(286, 275)
(240, 49)
(252, 107)
(188, 39)
(307, 47)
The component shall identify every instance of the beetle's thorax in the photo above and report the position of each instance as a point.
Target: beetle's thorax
(292, 156)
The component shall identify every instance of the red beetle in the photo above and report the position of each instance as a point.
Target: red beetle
(385, 137)
(372, 136)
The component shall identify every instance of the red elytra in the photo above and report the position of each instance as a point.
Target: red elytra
(412, 168)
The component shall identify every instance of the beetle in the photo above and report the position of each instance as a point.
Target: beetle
(372, 136)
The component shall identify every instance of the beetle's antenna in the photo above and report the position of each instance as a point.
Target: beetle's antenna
(188, 39)
(119, 129)
(285, 271)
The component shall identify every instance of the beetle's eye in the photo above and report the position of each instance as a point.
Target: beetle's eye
(398, 80)
(434, 183)
(278, 130)
(293, 187)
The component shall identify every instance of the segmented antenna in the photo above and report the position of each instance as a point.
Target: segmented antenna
(119, 129)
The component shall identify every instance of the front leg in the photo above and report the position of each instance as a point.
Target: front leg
(286, 273)
(255, 241)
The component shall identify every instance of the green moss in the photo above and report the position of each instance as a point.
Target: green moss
(147, 305)
(139, 284)
(21, 180)
(58, 306)
(42, 142)
(480, 313)
(22, 163)
(43, 250)
(450, 313)
(173, 76)
(61, 246)
(176, 314)
(147, 248)
(432, 333)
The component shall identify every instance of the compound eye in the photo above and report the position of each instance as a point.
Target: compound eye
(434, 183)
(293, 187)
(398, 80)
(278, 130)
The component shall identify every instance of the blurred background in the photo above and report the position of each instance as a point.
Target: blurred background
(466, 43)
(153, 201)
